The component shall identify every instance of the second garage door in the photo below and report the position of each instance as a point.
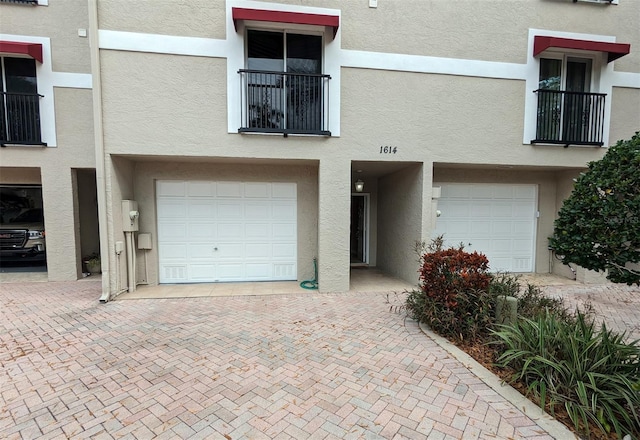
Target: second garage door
(226, 231)
(498, 220)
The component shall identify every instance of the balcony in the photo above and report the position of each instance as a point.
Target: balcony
(282, 102)
(569, 118)
(20, 119)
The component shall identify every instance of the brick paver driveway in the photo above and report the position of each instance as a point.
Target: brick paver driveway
(296, 366)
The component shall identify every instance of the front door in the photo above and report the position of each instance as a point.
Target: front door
(359, 229)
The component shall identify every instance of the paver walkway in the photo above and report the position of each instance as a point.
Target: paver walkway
(309, 365)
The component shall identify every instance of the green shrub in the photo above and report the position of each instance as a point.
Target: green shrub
(453, 297)
(531, 301)
(567, 362)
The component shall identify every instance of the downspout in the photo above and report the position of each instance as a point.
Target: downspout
(98, 135)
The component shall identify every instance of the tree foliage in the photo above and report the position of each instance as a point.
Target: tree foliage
(598, 226)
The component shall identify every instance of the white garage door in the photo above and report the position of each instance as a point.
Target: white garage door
(496, 219)
(226, 231)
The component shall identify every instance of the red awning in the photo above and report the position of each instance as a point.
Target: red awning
(613, 50)
(332, 21)
(34, 50)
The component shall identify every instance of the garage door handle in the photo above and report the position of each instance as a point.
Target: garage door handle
(215, 248)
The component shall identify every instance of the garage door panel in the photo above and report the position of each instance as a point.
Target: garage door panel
(168, 232)
(226, 231)
(202, 231)
(456, 208)
(172, 209)
(230, 232)
(258, 250)
(230, 251)
(502, 209)
(525, 192)
(497, 219)
(230, 210)
(258, 271)
(202, 272)
(173, 273)
(229, 189)
(200, 251)
(284, 211)
(201, 208)
(230, 271)
(257, 190)
(480, 227)
(478, 209)
(500, 246)
(169, 251)
(201, 189)
(257, 230)
(284, 250)
(171, 188)
(284, 191)
(257, 211)
(284, 231)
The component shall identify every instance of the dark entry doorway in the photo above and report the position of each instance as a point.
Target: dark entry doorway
(359, 244)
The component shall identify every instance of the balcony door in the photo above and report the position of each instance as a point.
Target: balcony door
(19, 111)
(566, 113)
(291, 101)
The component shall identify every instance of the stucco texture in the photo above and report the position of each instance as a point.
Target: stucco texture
(59, 21)
(193, 18)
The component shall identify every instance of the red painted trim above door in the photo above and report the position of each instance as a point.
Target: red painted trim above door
(333, 21)
(613, 50)
(33, 50)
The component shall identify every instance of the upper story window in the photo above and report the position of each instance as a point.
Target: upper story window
(20, 106)
(568, 112)
(284, 90)
(285, 59)
(569, 75)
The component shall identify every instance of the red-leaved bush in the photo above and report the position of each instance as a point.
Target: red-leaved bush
(454, 298)
(446, 273)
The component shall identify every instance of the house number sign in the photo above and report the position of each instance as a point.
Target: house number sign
(386, 149)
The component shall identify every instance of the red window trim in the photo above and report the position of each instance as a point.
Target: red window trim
(613, 50)
(33, 50)
(239, 14)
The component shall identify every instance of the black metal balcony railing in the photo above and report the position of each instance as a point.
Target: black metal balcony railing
(20, 119)
(570, 118)
(281, 102)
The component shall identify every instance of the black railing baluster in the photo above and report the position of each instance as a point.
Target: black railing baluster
(20, 123)
(569, 118)
(282, 102)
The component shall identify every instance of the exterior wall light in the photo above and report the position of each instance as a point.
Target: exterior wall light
(359, 185)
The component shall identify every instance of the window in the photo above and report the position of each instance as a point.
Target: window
(283, 85)
(568, 113)
(20, 107)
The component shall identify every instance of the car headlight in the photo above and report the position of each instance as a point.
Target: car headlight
(35, 235)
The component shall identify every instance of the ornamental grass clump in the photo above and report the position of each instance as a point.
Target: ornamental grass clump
(453, 296)
(570, 363)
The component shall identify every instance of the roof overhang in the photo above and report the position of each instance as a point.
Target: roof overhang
(32, 50)
(245, 14)
(613, 50)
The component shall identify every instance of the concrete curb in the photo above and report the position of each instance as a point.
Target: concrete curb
(556, 429)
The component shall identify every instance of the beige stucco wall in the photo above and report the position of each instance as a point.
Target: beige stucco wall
(193, 18)
(59, 21)
(469, 29)
(136, 181)
(625, 114)
(400, 199)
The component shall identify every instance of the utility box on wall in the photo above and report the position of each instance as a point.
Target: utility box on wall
(144, 241)
(130, 215)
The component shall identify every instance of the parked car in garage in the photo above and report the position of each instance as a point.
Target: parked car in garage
(23, 237)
